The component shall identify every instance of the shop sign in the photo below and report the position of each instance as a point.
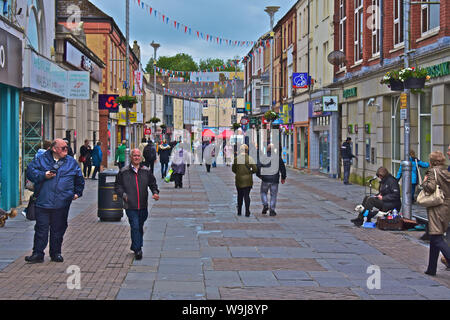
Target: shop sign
(78, 85)
(300, 80)
(10, 59)
(330, 103)
(439, 70)
(352, 92)
(316, 109)
(77, 59)
(123, 118)
(48, 77)
(108, 102)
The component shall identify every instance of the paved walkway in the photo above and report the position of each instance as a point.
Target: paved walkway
(196, 248)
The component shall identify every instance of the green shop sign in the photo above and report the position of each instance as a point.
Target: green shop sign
(352, 92)
(439, 70)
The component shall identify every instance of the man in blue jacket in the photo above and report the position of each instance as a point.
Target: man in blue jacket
(58, 181)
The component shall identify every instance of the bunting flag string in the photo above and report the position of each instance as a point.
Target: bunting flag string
(189, 73)
(261, 44)
(188, 30)
(192, 93)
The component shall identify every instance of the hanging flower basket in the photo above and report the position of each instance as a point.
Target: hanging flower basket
(271, 116)
(415, 83)
(235, 126)
(126, 101)
(154, 120)
(163, 126)
(396, 85)
(414, 78)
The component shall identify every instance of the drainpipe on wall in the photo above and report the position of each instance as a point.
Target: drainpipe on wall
(381, 31)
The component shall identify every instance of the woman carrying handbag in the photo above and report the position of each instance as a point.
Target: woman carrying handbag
(437, 180)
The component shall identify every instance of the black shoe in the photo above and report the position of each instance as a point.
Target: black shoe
(57, 258)
(272, 213)
(430, 273)
(34, 259)
(348, 183)
(265, 209)
(357, 222)
(247, 214)
(138, 255)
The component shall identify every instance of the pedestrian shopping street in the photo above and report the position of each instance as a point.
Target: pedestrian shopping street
(197, 248)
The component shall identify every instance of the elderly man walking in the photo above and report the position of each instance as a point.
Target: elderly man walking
(57, 181)
(132, 185)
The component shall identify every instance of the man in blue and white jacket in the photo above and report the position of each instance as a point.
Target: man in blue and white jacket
(57, 181)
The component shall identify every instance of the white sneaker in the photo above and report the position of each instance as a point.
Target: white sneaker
(24, 213)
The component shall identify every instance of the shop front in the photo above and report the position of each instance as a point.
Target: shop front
(324, 130)
(301, 135)
(287, 133)
(10, 84)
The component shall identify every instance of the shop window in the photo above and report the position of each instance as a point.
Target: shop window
(424, 126)
(429, 17)
(396, 155)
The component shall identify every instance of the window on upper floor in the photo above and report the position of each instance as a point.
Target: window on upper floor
(358, 30)
(205, 121)
(375, 27)
(398, 22)
(266, 96)
(342, 28)
(326, 8)
(429, 17)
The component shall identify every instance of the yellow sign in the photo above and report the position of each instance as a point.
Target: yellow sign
(123, 117)
(403, 101)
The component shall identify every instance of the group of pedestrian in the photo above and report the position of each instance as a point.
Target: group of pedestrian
(91, 157)
(244, 167)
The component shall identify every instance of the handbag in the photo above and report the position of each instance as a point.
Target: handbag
(82, 159)
(430, 200)
(31, 208)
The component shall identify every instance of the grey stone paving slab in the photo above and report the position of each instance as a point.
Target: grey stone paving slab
(435, 293)
(146, 261)
(292, 275)
(191, 287)
(212, 293)
(398, 297)
(181, 254)
(138, 284)
(298, 283)
(180, 276)
(225, 275)
(215, 252)
(133, 294)
(258, 278)
(140, 276)
(333, 282)
(244, 252)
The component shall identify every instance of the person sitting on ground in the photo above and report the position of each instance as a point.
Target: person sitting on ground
(388, 197)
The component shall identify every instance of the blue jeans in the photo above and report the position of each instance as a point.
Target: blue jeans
(137, 219)
(55, 221)
(265, 187)
(164, 167)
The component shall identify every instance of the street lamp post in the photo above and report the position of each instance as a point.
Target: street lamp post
(127, 128)
(155, 47)
(271, 10)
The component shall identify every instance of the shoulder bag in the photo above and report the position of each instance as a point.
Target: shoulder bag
(430, 200)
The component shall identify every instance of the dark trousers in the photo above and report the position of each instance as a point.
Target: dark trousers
(164, 167)
(87, 166)
(178, 178)
(208, 167)
(347, 165)
(96, 169)
(437, 244)
(121, 164)
(371, 202)
(55, 221)
(243, 195)
(137, 218)
(150, 165)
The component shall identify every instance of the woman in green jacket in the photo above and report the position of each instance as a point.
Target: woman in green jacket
(244, 167)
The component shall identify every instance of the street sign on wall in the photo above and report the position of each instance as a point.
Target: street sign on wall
(330, 103)
(300, 80)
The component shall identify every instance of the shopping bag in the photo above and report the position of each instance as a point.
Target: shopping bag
(169, 175)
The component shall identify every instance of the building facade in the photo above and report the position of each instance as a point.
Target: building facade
(371, 112)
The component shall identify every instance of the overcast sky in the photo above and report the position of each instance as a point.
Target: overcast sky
(237, 20)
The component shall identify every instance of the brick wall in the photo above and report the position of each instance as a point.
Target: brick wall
(388, 25)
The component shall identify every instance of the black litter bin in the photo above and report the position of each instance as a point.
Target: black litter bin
(110, 205)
